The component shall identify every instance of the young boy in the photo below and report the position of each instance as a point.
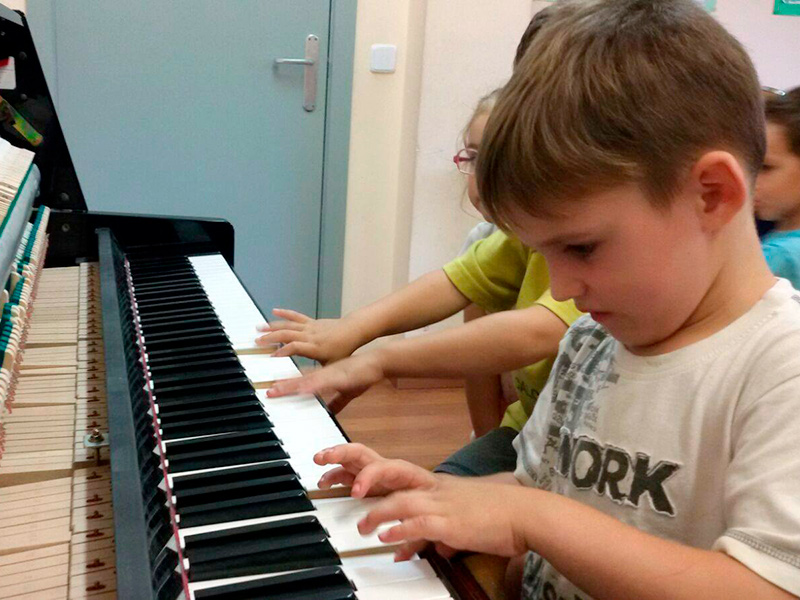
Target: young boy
(661, 460)
(777, 195)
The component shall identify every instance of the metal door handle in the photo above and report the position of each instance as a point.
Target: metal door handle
(309, 63)
(294, 61)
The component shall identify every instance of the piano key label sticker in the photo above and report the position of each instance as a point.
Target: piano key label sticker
(8, 74)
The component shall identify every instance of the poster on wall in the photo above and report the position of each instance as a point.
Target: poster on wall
(787, 7)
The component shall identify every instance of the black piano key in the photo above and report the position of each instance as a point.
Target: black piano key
(207, 405)
(299, 543)
(166, 355)
(195, 378)
(176, 325)
(250, 507)
(208, 454)
(193, 363)
(171, 307)
(323, 583)
(143, 304)
(167, 288)
(186, 483)
(177, 333)
(203, 411)
(191, 391)
(187, 342)
(232, 421)
(228, 393)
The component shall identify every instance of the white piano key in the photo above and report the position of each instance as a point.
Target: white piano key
(238, 313)
(374, 576)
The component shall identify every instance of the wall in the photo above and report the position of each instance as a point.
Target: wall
(382, 152)
(772, 41)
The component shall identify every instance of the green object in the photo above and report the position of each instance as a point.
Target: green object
(787, 7)
(710, 5)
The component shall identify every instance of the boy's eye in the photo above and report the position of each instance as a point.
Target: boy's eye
(765, 167)
(581, 250)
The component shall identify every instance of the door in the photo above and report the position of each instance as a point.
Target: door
(178, 108)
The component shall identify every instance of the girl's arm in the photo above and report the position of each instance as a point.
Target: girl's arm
(426, 300)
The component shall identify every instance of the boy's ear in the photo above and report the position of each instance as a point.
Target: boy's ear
(720, 188)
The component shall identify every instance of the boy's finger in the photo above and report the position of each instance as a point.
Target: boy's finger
(354, 455)
(291, 315)
(409, 549)
(423, 527)
(286, 387)
(297, 349)
(278, 337)
(286, 325)
(399, 506)
(336, 476)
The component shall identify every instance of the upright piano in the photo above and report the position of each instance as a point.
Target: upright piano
(139, 456)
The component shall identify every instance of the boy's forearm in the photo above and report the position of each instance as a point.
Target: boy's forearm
(493, 344)
(609, 559)
(426, 300)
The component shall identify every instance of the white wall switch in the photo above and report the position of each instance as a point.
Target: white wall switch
(382, 58)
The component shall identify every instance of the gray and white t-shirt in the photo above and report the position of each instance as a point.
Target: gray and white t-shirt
(700, 445)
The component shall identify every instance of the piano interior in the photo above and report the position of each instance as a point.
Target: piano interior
(138, 457)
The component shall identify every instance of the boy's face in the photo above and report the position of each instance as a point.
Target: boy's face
(639, 270)
(777, 196)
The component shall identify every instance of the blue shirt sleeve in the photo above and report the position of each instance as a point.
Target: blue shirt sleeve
(783, 262)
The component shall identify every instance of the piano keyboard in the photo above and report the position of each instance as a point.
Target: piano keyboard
(249, 520)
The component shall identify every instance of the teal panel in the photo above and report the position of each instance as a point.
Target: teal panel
(176, 108)
(787, 7)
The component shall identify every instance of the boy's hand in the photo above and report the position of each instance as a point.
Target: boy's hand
(458, 512)
(368, 473)
(324, 340)
(348, 378)
(377, 476)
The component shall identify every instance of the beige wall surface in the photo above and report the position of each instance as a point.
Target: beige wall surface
(14, 4)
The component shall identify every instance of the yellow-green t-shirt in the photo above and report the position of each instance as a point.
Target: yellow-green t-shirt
(499, 273)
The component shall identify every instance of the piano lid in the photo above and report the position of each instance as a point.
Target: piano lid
(28, 117)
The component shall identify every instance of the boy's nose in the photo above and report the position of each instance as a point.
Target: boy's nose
(564, 286)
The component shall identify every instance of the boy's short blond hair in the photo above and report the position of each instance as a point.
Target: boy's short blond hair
(612, 92)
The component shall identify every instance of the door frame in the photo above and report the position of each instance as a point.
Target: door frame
(336, 144)
(336, 152)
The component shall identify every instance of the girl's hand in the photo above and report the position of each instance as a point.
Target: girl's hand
(324, 340)
(458, 512)
(346, 378)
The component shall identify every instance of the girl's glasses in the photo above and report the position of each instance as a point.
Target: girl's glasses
(772, 90)
(465, 160)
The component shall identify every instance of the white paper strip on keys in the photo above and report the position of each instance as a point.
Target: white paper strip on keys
(235, 308)
(262, 369)
(375, 577)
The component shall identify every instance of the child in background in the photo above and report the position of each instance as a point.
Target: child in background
(777, 196)
(661, 461)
